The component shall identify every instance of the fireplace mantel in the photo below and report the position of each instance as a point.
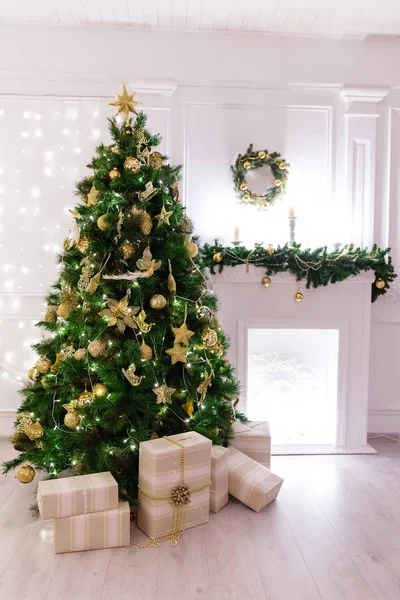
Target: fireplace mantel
(345, 306)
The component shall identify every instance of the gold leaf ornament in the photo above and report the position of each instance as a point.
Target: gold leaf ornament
(119, 313)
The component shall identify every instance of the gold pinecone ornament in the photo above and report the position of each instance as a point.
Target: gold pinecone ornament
(65, 309)
(180, 495)
(145, 223)
(51, 315)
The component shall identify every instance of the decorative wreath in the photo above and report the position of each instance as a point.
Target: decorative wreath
(255, 160)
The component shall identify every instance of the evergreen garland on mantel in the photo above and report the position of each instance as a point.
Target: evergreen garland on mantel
(318, 267)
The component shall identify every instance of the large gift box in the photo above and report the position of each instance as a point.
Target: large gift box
(219, 478)
(254, 439)
(251, 483)
(92, 531)
(174, 484)
(65, 497)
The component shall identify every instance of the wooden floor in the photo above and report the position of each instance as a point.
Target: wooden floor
(333, 534)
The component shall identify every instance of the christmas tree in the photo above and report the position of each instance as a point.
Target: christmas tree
(134, 350)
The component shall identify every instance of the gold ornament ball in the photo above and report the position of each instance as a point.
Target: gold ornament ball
(132, 164)
(26, 474)
(64, 310)
(146, 352)
(270, 249)
(83, 244)
(262, 154)
(246, 197)
(116, 150)
(204, 314)
(217, 258)
(158, 302)
(80, 354)
(102, 223)
(192, 249)
(96, 348)
(128, 130)
(282, 165)
(298, 296)
(100, 390)
(155, 160)
(128, 249)
(266, 281)
(85, 398)
(114, 174)
(277, 182)
(243, 186)
(51, 315)
(247, 165)
(379, 283)
(43, 364)
(33, 373)
(72, 420)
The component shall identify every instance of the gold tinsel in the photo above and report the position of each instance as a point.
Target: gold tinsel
(158, 302)
(51, 315)
(26, 474)
(96, 348)
(43, 364)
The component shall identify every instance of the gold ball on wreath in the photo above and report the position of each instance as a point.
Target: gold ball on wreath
(379, 283)
(65, 309)
(72, 420)
(192, 249)
(265, 204)
(158, 302)
(96, 348)
(100, 390)
(83, 244)
(155, 160)
(270, 249)
(217, 257)
(85, 398)
(26, 474)
(114, 173)
(51, 315)
(102, 223)
(298, 297)
(277, 182)
(282, 165)
(80, 354)
(128, 249)
(246, 197)
(243, 186)
(247, 164)
(266, 281)
(262, 154)
(132, 164)
(43, 364)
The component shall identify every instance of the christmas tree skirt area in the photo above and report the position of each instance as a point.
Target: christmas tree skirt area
(332, 533)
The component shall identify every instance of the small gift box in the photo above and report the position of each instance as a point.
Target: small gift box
(105, 529)
(219, 478)
(65, 497)
(251, 483)
(254, 439)
(174, 484)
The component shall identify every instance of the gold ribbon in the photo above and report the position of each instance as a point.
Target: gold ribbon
(180, 509)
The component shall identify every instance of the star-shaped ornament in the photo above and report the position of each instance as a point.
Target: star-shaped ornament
(177, 354)
(163, 217)
(92, 196)
(182, 334)
(164, 394)
(125, 102)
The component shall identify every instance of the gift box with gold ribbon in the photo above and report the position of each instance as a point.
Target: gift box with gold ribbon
(219, 478)
(68, 496)
(92, 531)
(251, 483)
(174, 485)
(254, 439)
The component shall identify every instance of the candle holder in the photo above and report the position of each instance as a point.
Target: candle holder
(292, 228)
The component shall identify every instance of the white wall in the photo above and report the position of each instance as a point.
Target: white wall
(330, 107)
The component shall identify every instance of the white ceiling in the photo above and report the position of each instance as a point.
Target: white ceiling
(307, 17)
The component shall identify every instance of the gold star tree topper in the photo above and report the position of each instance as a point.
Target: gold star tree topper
(125, 102)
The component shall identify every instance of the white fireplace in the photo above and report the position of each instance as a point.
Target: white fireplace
(303, 366)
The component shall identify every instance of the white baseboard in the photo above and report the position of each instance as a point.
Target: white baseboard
(384, 420)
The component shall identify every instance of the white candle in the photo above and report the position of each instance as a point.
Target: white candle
(291, 212)
(236, 233)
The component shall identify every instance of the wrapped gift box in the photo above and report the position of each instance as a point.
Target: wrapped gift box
(251, 483)
(92, 531)
(65, 497)
(254, 439)
(219, 478)
(160, 473)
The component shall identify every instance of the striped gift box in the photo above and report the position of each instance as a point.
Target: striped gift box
(254, 439)
(160, 472)
(93, 531)
(251, 483)
(68, 496)
(219, 478)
